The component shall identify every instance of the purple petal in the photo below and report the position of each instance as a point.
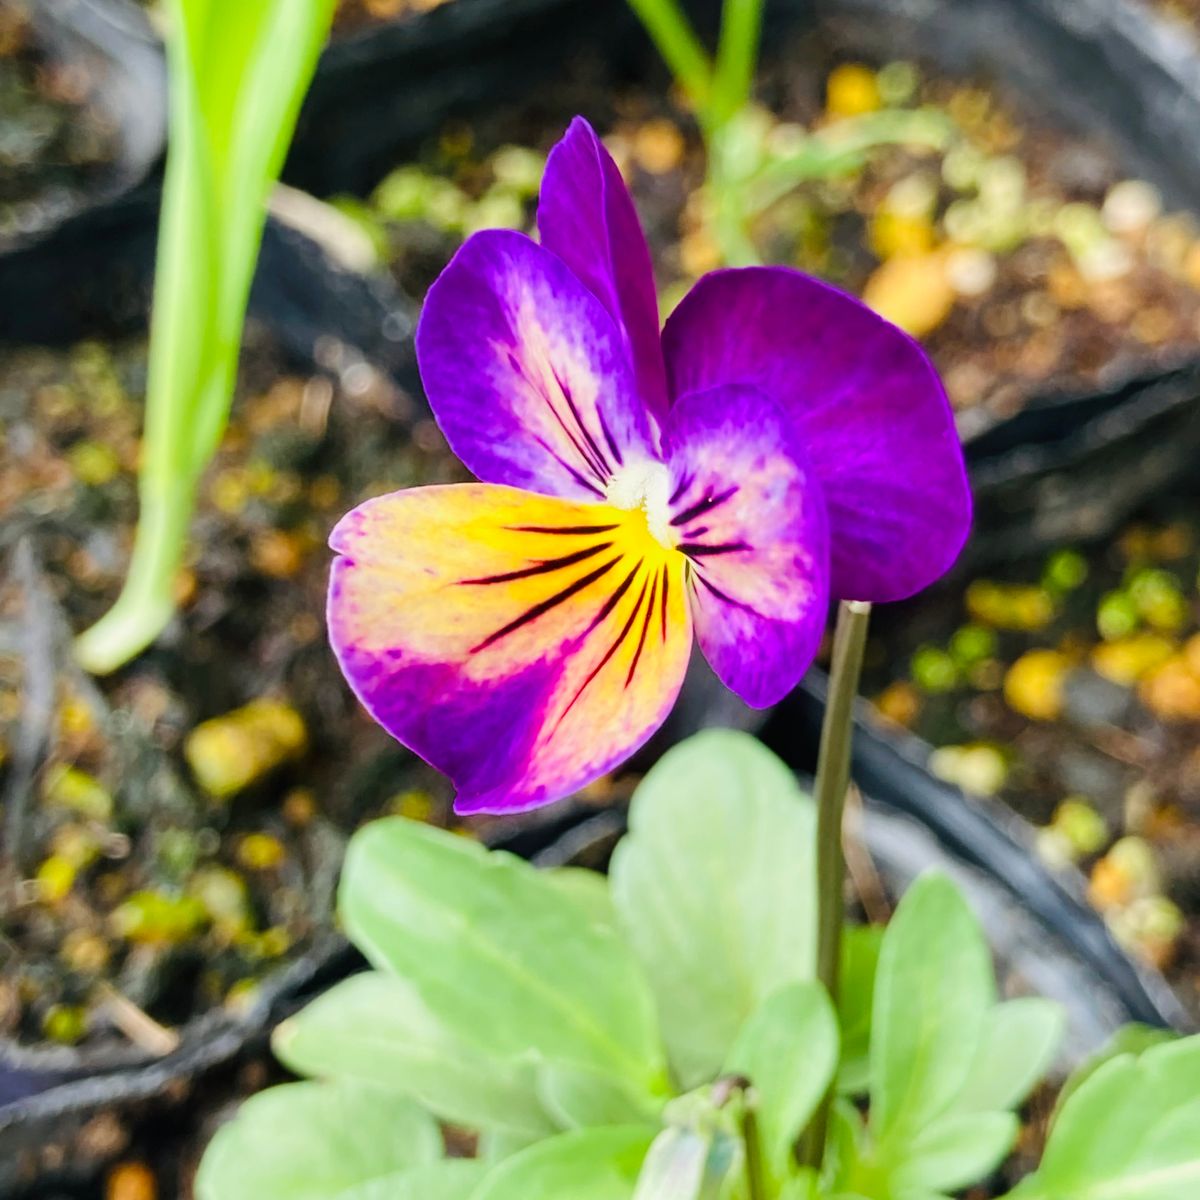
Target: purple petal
(586, 216)
(526, 373)
(751, 519)
(869, 411)
(522, 644)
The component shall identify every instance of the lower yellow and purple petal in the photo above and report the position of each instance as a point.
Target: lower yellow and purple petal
(527, 373)
(870, 413)
(524, 645)
(750, 518)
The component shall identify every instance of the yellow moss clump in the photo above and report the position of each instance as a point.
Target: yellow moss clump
(1018, 606)
(912, 291)
(851, 90)
(1126, 660)
(68, 787)
(229, 753)
(899, 702)
(131, 1181)
(1033, 685)
(1172, 690)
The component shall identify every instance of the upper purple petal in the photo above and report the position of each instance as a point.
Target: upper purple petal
(526, 373)
(586, 216)
(751, 521)
(868, 408)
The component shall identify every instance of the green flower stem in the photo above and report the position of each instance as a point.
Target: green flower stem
(756, 1187)
(833, 778)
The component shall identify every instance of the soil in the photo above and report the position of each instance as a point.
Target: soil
(1070, 688)
(1185, 10)
(58, 142)
(352, 16)
(179, 871)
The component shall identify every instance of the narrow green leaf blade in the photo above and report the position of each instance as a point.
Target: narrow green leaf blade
(588, 1164)
(788, 1049)
(375, 1028)
(933, 989)
(489, 944)
(714, 889)
(318, 1141)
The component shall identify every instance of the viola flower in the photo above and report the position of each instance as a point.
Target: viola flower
(777, 446)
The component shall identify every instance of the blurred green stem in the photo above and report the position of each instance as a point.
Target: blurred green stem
(676, 40)
(833, 779)
(238, 72)
(147, 599)
(756, 1187)
(737, 56)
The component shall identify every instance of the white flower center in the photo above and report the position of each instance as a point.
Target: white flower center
(645, 486)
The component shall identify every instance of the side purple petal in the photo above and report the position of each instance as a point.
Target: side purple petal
(526, 373)
(586, 216)
(867, 406)
(750, 520)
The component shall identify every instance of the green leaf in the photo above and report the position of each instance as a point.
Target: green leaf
(588, 889)
(856, 992)
(1129, 1132)
(495, 1145)
(802, 1186)
(450, 1179)
(1020, 1040)
(579, 1098)
(715, 890)
(1133, 1038)
(375, 1028)
(493, 947)
(933, 989)
(588, 1164)
(788, 1049)
(318, 1141)
(687, 1164)
(954, 1151)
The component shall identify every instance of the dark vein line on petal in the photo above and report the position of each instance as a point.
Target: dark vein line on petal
(544, 606)
(609, 652)
(592, 464)
(561, 528)
(615, 598)
(583, 429)
(727, 599)
(566, 466)
(608, 437)
(637, 654)
(702, 506)
(546, 567)
(666, 578)
(693, 550)
(681, 488)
